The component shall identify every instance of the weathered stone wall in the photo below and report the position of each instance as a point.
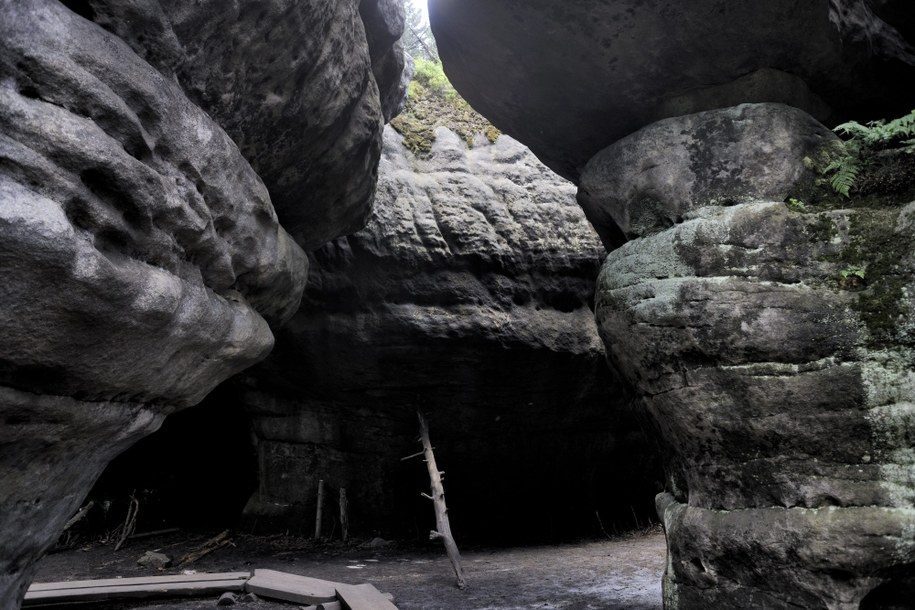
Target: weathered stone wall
(782, 390)
(467, 296)
(142, 260)
(779, 389)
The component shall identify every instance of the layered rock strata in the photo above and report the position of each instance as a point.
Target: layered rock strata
(773, 345)
(569, 79)
(143, 262)
(467, 296)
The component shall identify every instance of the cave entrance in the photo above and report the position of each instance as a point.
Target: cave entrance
(197, 472)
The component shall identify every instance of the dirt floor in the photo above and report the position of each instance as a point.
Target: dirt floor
(623, 573)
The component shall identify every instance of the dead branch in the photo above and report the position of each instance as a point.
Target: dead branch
(130, 523)
(80, 515)
(319, 516)
(344, 514)
(443, 527)
(168, 530)
(213, 544)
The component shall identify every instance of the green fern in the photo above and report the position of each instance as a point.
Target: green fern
(844, 172)
(862, 141)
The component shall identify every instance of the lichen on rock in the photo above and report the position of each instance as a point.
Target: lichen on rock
(782, 394)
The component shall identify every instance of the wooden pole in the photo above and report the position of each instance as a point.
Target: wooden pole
(443, 527)
(320, 515)
(344, 514)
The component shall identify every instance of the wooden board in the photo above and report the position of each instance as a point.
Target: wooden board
(143, 587)
(291, 587)
(363, 597)
(324, 606)
(139, 580)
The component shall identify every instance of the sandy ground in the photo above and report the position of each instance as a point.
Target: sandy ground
(617, 574)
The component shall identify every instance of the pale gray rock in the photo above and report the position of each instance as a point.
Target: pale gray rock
(781, 392)
(51, 451)
(142, 257)
(154, 560)
(467, 296)
(570, 78)
(227, 599)
(302, 88)
(647, 181)
(142, 265)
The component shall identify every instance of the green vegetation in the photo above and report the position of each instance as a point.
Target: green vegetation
(431, 75)
(852, 271)
(417, 37)
(852, 206)
(863, 143)
(433, 102)
(796, 204)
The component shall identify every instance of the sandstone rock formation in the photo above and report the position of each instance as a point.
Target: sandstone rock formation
(781, 387)
(143, 262)
(569, 79)
(466, 296)
(299, 87)
(648, 181)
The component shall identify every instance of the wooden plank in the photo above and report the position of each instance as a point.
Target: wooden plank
(146, 591)
(324, 606)
(363, 597)
(138, 580)
(291, 587)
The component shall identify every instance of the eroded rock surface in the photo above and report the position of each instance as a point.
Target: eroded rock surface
(143, 259)
(51, 450)
(570, 78)
(466, 296)
(647, 181)
(142, 263)
(780, 383)
(302, 88)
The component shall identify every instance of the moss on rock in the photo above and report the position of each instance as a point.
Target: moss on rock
(877, 245)
(432, 102)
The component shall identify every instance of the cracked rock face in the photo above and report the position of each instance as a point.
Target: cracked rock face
(594, 71)
(782, 392)
(466, 296)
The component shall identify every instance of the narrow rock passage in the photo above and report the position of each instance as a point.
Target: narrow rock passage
(624, 573)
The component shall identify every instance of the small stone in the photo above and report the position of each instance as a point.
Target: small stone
(249, 598)
(227, 599)
(376, 543)
(155, 560)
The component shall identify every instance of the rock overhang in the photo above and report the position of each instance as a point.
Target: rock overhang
(569, 79)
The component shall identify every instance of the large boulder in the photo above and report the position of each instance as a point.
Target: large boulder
(773, 346)
(468, 297)
(143, 262)
(648, 181)
(302, 88)
(570, 78)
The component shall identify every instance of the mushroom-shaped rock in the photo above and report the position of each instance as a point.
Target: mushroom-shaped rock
(570, 78)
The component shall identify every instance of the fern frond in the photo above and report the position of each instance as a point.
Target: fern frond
(903, 127)
(846, 174)
(853, 129)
